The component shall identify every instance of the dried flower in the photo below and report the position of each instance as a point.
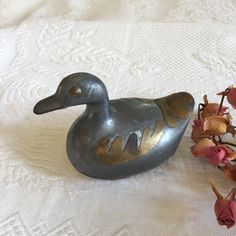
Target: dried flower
(219, 154)
(215, 155)
(208, 131)
(211, 109)
(225, 208)
(201, 147)
(216, 125)
(231, 97)
(197, 131)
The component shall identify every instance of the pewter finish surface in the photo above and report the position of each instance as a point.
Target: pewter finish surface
(126, 119)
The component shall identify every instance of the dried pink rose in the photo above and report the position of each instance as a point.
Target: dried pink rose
(218, 154)
(231, 97)
(216, 125)
(201, 147)
(197, 130)
(225, 208)
(225, 211)
(215, 155)
(211, 109)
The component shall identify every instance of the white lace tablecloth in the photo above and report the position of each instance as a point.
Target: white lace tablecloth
(143, 48)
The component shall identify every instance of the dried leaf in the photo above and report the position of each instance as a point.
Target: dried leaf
(231, 195)
(218, 195)
(231, 130)
(230, 171)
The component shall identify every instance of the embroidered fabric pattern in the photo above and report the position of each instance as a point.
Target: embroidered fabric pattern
(139, 49)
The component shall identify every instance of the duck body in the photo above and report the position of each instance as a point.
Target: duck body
(118, 138)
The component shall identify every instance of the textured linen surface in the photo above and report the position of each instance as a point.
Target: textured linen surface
(139, 48)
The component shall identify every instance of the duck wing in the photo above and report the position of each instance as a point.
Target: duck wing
(116, 154)
(145, 123)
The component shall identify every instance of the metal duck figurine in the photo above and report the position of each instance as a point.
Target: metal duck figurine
(118, 138)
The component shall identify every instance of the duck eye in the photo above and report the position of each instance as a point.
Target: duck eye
(75, 91)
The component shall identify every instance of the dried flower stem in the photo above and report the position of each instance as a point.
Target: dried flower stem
(220, 141)
(228, 143)
(222, 100)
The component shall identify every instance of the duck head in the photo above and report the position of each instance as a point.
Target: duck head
(75, 89)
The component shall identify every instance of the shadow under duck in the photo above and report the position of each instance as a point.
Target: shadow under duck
(121, 137)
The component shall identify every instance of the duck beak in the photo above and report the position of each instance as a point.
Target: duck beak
(48, 104)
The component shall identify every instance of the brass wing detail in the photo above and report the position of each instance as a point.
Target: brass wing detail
(116, 155)
(174, 107)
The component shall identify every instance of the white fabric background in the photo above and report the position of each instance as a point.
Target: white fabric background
(143, 48)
